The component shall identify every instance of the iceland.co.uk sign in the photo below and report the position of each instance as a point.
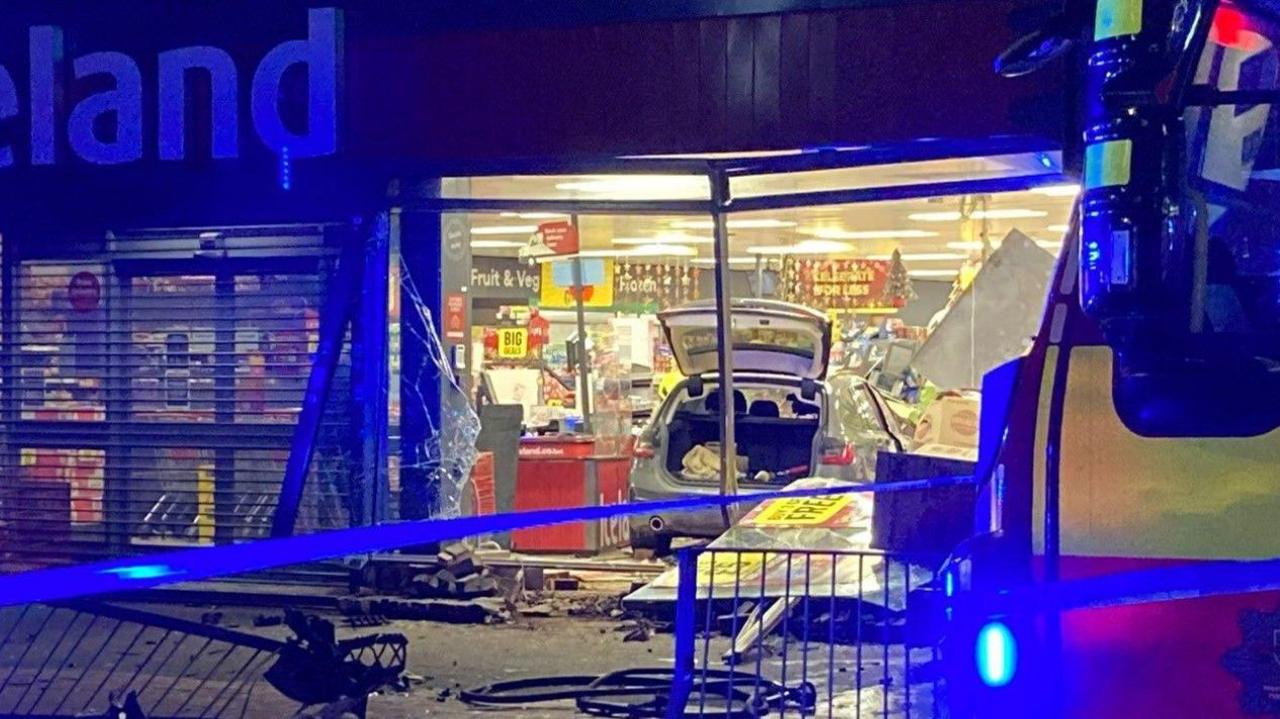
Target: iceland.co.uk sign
(106, 127)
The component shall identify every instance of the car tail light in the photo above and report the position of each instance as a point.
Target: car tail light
(644, 450)
(836, 452)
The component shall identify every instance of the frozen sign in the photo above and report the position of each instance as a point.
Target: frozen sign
(104, 123)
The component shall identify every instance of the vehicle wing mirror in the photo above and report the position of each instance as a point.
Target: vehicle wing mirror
(1035, 50)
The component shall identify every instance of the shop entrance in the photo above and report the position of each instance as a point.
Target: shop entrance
(925, 263)
(158, 388)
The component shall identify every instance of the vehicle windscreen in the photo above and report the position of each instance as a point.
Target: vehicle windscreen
(781, 350)
(759, 401)
(1233, 170)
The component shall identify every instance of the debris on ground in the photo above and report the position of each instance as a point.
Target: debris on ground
(600, 606)
(453, 611)
(542, 610)
(566, 583)
(455, 574)
(639, 631)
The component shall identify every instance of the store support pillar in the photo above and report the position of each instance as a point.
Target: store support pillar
(370, 354)
(724, 343)
(582, 393)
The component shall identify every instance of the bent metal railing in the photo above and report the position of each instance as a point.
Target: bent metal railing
(99, 659)
(805, 632)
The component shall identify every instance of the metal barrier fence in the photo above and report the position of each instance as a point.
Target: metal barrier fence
(96, 659)
(822, 633)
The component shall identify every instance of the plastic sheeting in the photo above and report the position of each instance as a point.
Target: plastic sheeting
(993, 320)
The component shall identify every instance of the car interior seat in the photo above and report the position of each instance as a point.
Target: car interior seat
(764, 408)
(712, 403)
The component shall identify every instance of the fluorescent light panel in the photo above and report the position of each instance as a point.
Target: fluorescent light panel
(533, 215)
(969, 246)
(954, 215)
(504, 230)
(1058, 190)
(763, 223)
(805, 247)
(639, 185)
(639, 251)
(496, 244)
(666, 238)
(836, 233)
(710, 262)
(923, 256)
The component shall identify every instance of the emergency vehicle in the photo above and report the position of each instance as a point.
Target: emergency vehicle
(1140, 431)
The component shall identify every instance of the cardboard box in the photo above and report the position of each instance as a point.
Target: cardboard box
(950, 421)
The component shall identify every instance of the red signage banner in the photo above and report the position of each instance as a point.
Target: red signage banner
(846, 284)
(455, 317)
(559, 238)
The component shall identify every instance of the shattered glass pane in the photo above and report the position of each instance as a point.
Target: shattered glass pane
(444, 459)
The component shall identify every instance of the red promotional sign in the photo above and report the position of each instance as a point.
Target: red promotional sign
(560, 237)
(847, 284)
(455, 317)
(539, 330)
(84, 291)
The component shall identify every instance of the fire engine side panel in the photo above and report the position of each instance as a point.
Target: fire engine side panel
(1128, 503)
(1131, 502)
(1129, 496)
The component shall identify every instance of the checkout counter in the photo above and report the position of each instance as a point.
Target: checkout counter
(571, 470)
(558, 465)
(559, 462)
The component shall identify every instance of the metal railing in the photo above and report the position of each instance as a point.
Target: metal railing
(84, 659)
(806, 632)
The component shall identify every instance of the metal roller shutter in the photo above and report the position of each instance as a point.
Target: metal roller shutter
(152, 384)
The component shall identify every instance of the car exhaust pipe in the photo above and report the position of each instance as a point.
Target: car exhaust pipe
(656, 524)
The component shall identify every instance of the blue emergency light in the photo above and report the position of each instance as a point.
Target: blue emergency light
(997, 654)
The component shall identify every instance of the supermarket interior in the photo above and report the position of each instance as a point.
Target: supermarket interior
(879, 253)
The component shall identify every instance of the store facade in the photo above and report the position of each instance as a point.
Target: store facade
(195, 220)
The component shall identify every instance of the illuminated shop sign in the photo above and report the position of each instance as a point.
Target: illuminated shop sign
(105, 127)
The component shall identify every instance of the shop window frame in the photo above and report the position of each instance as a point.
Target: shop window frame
(443, 196)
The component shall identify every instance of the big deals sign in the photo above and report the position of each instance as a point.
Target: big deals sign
(105, 126)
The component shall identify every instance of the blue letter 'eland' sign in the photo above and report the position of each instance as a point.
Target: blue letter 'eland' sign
(117, 101)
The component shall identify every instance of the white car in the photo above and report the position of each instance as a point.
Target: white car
(790, 421)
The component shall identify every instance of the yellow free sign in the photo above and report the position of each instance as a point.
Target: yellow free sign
(513, 341)
(728, 567)
(801, 512)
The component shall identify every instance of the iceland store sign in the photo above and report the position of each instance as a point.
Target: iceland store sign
(105, 126)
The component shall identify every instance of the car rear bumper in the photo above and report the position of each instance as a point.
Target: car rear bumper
(705, 522)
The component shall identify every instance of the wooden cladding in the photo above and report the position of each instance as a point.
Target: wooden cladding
(851, 76)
